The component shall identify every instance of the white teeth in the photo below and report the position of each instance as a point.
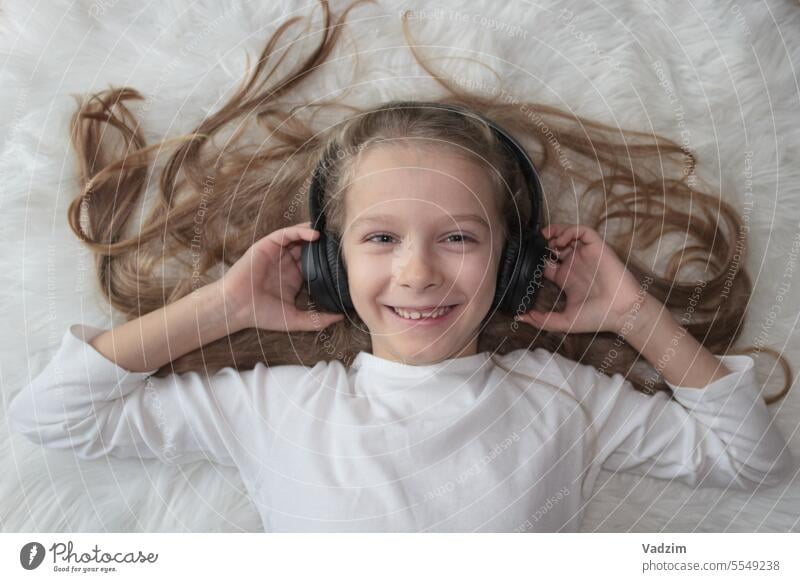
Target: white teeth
(417, 315)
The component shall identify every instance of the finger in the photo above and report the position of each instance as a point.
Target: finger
(561, 237)
(550, 270)
(285, 237)
(550, 321)
(577, 232)
(296, 251)
(564, 235)
(313, 320)
(561, 234)
(294, 263)
(586, 234)
(297, 263)
(565, 253)
(564, 267)
(551, 254)
(553, 230)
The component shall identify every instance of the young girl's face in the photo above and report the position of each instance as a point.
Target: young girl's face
(421, 232)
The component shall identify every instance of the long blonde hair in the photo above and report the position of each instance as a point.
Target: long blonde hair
(217, 197)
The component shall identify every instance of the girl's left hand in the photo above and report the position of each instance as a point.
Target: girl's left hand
(600, 290)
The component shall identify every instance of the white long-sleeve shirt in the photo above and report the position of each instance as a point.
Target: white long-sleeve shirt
(457, 446)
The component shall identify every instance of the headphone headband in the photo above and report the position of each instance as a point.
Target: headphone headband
(318, 183)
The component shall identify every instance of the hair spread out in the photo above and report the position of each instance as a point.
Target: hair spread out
(246, 168)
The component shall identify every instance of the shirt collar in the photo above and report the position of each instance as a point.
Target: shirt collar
(464, 366)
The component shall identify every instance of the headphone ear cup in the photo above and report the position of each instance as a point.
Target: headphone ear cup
(339, 275)
(505, 273)
(529, 277)
(314, 267)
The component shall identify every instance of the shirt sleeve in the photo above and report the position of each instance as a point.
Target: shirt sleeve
(85, 402)
(718, 436)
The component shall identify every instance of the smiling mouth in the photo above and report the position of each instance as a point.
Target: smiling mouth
(426, 315)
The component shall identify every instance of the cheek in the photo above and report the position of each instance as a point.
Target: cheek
(363, 275)
(481, 277)
(366, 261)
(477, 271)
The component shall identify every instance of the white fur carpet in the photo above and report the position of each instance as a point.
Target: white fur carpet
(721, 77)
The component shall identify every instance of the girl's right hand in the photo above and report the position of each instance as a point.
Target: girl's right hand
(260, 288)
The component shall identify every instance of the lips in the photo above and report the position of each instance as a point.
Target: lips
(422, 309)
(444, 316)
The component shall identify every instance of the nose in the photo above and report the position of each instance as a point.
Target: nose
(416, 267)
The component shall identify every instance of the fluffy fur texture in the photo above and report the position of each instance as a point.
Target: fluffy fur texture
(724, 75)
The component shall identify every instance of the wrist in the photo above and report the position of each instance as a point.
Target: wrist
(671, 349)
(221, 316)
(638, 322)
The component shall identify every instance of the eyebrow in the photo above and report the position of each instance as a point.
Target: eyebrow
(378, 218)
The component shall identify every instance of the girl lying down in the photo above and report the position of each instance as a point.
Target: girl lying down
(415, 404)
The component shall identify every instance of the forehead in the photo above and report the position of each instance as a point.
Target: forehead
(413, 182)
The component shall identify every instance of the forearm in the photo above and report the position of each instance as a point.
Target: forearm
(670, 348)
(166, 334)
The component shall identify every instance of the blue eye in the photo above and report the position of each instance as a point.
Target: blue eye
(464, 238)
(378, 235)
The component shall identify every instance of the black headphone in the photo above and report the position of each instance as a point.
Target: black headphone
(521, 264)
